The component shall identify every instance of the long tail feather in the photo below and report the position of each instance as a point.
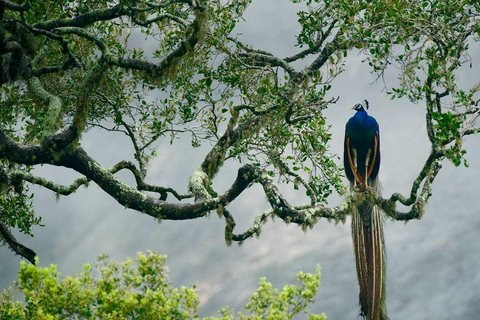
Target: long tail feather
(367, 234)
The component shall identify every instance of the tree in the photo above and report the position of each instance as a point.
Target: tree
(68, 67)
(113, 290)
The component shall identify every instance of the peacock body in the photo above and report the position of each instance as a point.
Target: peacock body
(362, 164)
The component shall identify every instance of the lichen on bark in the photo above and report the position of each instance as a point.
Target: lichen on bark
(50, 123)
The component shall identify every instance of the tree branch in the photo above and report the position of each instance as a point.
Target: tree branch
(417, 211)
(471, 131)
(264, 59)
(308, 215)
(16, 247)
(54, 106)
(316, 46)
(160, 17)
(327, 51)
(286, 168)
(428, 114)
(66, 190)
(85, 19)
(426, 171)
(50, 185)
(305, 216)
(15, 6)
(152, 69)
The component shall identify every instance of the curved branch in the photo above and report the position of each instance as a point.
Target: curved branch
(15, 6)
(426, 170)
(91, 17)
(71, 61)
(255, 229)
(417, 211)
(186, 46)
(308, 215)
(50, 185)
(316, 46)
(70, 136)
(152, 69)
(16, 247)
(264, 59)
(329, 49)
(200, 182)
(159, 18)
(85, 19)
(54, 106)
(130, 197)
(305, 216)
(66, 190)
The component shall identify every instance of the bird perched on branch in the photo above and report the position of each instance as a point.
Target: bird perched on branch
(362, 163)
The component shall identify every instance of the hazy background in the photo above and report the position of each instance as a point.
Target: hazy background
(432, 264)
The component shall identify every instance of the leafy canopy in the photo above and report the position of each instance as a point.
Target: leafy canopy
(156, 71)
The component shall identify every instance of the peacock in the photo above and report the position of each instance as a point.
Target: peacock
(362, 164)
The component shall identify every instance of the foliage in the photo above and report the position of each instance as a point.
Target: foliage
(15, 202)
(161, 70)
(139, 289)
(429, 42)
(83, 66)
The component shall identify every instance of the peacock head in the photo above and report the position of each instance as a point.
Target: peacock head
(361, 106)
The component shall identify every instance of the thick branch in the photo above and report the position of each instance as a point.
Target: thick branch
(200, 182)
(263, 60)
(14, 6)
(130, 197)
(153, 69)
(306, 216)
(329, 49)
(54, 106)
(85, 19)
(16, 247)
(159, 18)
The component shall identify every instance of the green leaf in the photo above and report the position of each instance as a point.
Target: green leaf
(208, 82)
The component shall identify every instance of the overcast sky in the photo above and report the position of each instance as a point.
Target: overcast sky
(432, 264)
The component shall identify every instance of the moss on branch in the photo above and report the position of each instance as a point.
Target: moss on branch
(50, 123)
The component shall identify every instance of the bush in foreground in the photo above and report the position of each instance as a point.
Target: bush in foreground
(139, 289)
